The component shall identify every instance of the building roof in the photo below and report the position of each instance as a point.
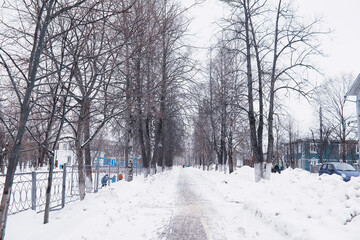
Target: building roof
(329, 141)
(355, 88)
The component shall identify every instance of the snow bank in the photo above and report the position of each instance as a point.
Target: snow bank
(296, 203)
(135, 210)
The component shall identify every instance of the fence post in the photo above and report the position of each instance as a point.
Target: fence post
(72, 180)
(33, 190)
(118, 172)
(96, 189)
(136, 168)
(109, 178)
(63, 195)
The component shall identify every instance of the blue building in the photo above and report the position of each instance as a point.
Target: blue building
(305, 153)
(104, 161)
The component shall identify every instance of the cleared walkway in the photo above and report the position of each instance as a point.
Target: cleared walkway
(196, 217)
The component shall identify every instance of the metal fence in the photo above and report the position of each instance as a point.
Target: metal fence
(29, 189)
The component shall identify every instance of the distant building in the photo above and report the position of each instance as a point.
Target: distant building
(65, 153)
(305, 153)
(99, 148)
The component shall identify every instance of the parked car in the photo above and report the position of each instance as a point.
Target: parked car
(346, 171)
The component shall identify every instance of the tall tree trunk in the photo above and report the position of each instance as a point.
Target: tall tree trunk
(140, 117)
(230, 146)
(321, 145)
(41, 156)
(86, 138)
(128, 93)
(257, 149)
(230, 153)
(159, 137)
(223, 129)
(147, 121)
(144, 154)
(343, 140)
(270, 149)
(48, 189)
(158, 148)
(148, 146)
(260, 129)
(80, 159)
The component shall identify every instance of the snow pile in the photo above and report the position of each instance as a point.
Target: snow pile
(296, 203)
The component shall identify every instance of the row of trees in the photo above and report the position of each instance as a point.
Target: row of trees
(80, 69)
(271, 38)
(263, 55)
(335, 120)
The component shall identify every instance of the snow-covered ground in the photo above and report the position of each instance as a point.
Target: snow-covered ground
(292, 205)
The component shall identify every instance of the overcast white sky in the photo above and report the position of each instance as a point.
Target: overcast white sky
(342, 47)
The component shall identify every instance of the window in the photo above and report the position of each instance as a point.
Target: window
(313, 147)
(357, 148)
(323, 167)
(313, 162)
(340, 149)
(299, 148)
(330, 167)
(64, 146)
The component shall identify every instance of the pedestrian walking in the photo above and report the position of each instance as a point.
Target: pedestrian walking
(104, 180)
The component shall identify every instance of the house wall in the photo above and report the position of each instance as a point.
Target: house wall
(304, 157)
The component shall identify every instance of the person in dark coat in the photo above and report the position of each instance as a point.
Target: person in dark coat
(104, 180)
(276, 169)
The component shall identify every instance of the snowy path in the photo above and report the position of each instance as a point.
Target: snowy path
(204, 213)
(197, 217)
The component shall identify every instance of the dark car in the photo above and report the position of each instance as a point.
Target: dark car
(346, 171)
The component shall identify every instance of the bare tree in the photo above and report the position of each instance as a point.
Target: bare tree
(23, 75)
(322, 136)
(223, 104)
(335, 110)
(95, 50)
(272, 39)
(293, 137)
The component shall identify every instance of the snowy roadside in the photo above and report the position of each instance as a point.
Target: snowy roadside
(295, 203)
(292, 205)
(135, 210)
